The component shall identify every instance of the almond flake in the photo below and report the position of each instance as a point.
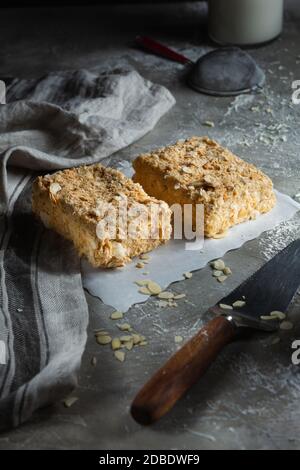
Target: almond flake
(129, 345)
(116, 344)
(165, 295)
(188, 275)
(154, 288)
(116, 315)
(222, 278)
(278, 314)
(144, 256)
(179, 296)
(208, 123)
(124, 327)
(69, 401)
(218, 264)
(186, 169)
(225, 307)
(239, 303)
(178, 339)
(144, 290)
(136, 338)
(216, 273)
(125, 338)
(139, 265)
(54, 188)
(103, 340)
(267, 317)
(227, 271)
(120, 355)
(142, 282)
(143, 343)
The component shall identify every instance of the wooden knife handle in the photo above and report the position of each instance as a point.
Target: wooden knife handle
(181, 371)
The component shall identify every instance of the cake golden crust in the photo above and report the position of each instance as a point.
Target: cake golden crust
(200, 171)
(71, 202)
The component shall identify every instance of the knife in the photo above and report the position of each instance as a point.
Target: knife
(271, 288)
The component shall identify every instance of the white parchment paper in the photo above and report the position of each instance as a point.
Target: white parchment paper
(116, 287)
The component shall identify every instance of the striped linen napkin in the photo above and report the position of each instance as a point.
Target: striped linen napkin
(61, 120)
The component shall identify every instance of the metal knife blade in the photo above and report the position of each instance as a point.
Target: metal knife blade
(270, 288)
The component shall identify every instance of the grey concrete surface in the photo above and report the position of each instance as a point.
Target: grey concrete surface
(250, 396)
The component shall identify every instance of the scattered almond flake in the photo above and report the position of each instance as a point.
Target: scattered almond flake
(125, 338)
(225, 307)
(101, 333)
(120, 355)
(116, 315)
(179, 296)
(243, 297)
(227, 271)
(286, 325)
(218, 264)
(162, 303)
(142, 282)
(278, 314)
(208, 123)
(178, 339)
(188, 275)
(144, 290)
(172, 304)
(98, 330)
(222, 278)
(143, 343)
(116, 344)
(217, 273)
(93, 361)
(186, 169)
(19, 310)
(239, 303)
(129, 345)
(142, 337)
(54, 188)
(139, 265)
(103, 340)
(176, 186)
(144, 256)
(165, 295)
(145, 273)
(69, 401)
(267, 317)
(154, 288)
(124, 327)
(135, 338)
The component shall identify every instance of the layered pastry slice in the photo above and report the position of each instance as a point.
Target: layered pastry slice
(108, 217)
(200, 171)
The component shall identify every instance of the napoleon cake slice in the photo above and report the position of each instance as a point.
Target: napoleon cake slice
(200, 171)
(99, 210)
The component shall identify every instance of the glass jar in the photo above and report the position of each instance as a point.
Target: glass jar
(245, 22)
